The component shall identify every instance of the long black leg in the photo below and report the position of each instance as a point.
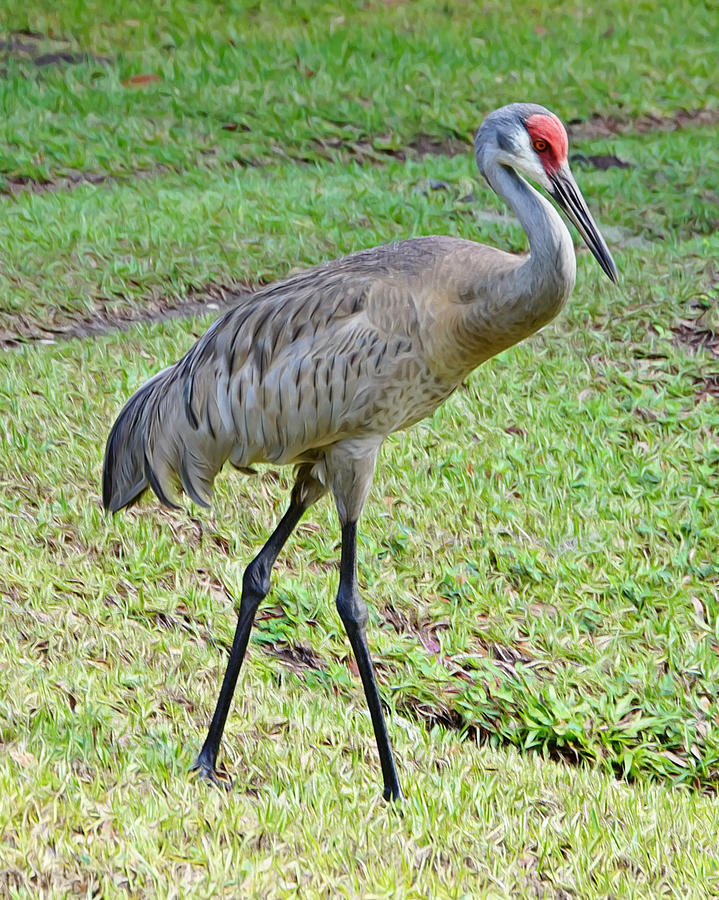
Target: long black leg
(255, 585)
(353, 612)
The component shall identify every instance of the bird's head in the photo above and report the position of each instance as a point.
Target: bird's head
(531, 140)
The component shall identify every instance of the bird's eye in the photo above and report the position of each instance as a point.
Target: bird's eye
(540, 146)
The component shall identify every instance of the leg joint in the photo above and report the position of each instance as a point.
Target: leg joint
(256, 580)
(352, 608)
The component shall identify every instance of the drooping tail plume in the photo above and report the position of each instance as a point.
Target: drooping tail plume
(126, 473)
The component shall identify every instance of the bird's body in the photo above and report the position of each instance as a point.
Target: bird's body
(361, 346)
(318, 369)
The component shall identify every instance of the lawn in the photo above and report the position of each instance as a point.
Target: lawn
(541, 557)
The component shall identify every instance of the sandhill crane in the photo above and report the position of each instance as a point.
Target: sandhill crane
(317, 370)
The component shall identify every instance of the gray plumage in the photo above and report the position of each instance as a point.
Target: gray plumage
(318, 369)
(324, 356)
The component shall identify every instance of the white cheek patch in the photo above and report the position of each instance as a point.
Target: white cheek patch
(527, 162)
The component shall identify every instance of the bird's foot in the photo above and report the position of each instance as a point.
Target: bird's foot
(394, 794)
(206, 770)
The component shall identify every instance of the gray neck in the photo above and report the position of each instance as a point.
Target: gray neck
(542, 284)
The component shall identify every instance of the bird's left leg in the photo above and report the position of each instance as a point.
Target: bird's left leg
(255, 586)
(353, 612)
(350, 467)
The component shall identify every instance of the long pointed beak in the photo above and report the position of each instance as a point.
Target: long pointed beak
(567, 194)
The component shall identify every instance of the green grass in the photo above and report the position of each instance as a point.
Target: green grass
(540, 556)
(295, 74)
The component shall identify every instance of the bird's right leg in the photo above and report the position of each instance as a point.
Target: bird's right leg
(255, 586)
(350, 466)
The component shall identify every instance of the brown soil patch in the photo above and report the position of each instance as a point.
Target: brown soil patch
(425, 145)
(606, 126)
(602, 161)
(212, 299)
(24, 184)
(41, 50)
(366, 151)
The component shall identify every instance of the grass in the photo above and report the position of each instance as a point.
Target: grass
(540, 556)
(300, 74)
